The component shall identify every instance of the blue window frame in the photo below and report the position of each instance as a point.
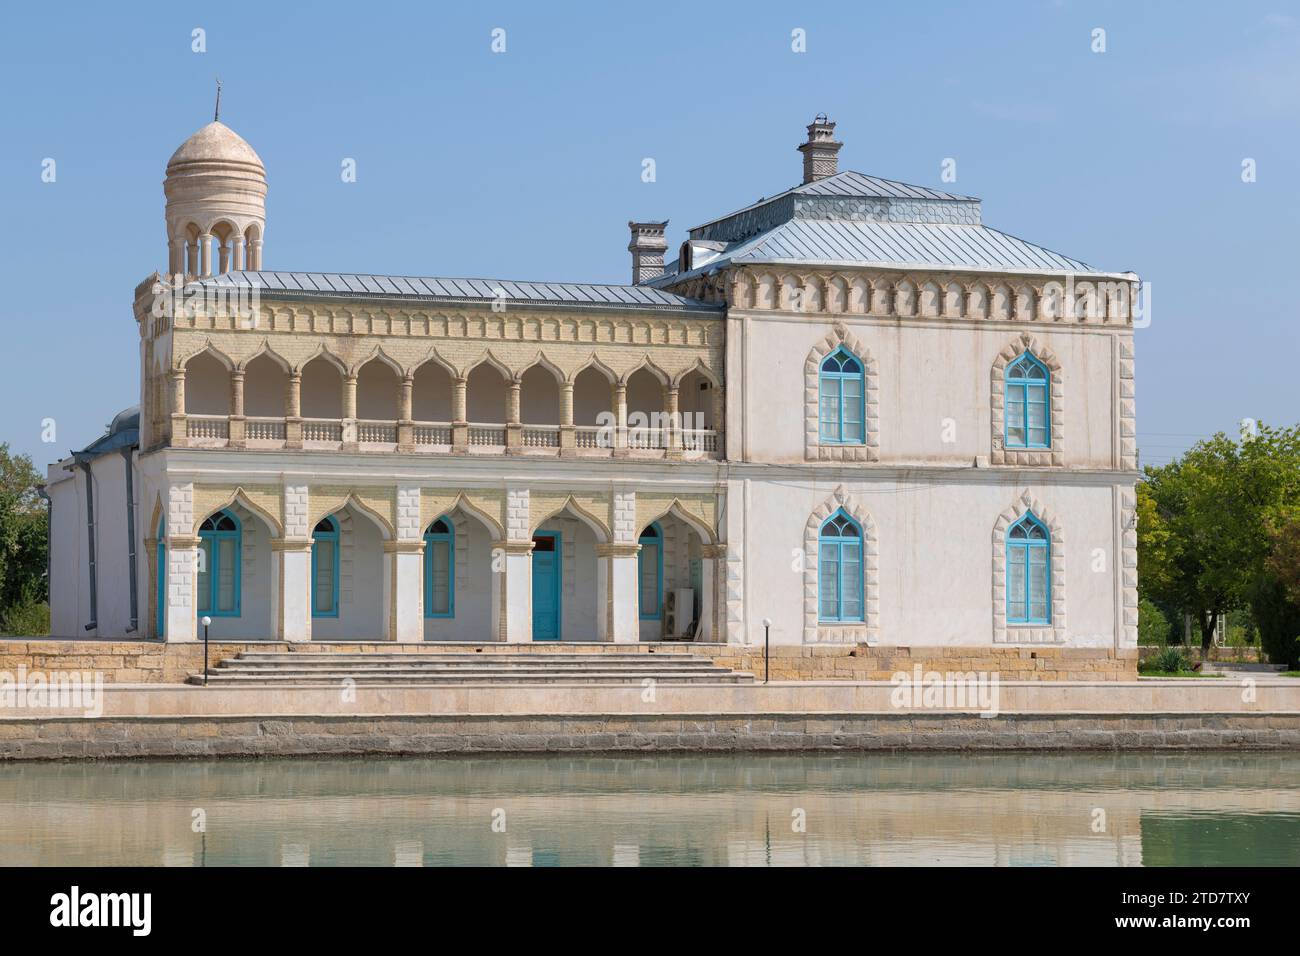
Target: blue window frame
(1028, 385)
(650, 572)
(325, 568)
(841, 402)
(220, 544)
(440, 569)
(1029, 572)
(839, 570)
(161, 597)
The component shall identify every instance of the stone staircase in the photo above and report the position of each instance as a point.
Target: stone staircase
(329, 668)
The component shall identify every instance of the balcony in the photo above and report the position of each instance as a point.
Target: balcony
(489, 411)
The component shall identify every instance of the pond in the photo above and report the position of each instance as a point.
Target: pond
(732, 810)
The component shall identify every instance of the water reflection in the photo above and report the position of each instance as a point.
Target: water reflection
(1012, 809)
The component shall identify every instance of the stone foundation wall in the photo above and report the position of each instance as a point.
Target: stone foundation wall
(147, 662)
(124, 737)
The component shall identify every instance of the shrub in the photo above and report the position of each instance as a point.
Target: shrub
(1171, 660)
(31, 619)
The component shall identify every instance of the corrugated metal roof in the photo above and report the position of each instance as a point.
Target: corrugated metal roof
(849, 183)
(900, 243)
(316, 284)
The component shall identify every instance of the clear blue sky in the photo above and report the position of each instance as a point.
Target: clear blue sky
(527, 164)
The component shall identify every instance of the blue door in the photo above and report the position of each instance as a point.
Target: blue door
(546, 586)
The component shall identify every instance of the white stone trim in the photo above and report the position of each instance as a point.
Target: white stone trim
(1128, 456)
(814, 450)
(814, 632)
(1004, 633)
(1128, 568)
(1052, 455)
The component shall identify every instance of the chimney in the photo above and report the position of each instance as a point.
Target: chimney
(819, 153)
(647, 247)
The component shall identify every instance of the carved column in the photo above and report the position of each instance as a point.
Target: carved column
(620, 418)
(292, 411)
(236, 409)
(459, 423)
(672, 441)
(514, 430)
(179, 433)
(350, 412)
(568, 436)
(405, 427)
(205, 254)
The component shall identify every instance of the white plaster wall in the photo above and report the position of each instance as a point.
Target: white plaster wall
(474, 619)
(578, 580)
(69, 563)
(935, 556)
(257, 576)
(361, 583)
(928, 373)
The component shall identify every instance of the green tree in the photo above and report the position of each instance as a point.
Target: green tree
(1204, 541)
(23, 536)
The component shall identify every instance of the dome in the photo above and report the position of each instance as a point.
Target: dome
(215, 142)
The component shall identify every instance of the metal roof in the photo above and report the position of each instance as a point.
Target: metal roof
(849, 184)
(903, 243)
(358, 286)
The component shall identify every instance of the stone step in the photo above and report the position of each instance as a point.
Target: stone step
(327, 668)
(316, 679)
(489, 661)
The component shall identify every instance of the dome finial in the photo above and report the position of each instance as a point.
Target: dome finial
(216, 113)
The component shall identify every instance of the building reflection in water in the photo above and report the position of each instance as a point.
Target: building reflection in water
(743, 810)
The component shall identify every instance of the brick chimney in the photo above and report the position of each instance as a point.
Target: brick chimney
(821, 151)
(647, 247)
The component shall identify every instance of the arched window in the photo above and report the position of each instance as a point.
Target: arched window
(440, 569)
(1027, 424)
(325, 568)
(839, 570)
(161, 569)
(841, 418)
(220, 543)
(1029, 572)
(650, 572)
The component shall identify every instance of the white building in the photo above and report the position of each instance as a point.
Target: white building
(851, 408)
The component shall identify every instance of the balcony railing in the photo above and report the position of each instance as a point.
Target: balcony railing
(596, 441)
(376, 433)
(486, 435)
(431, 433)
(264, 429)
(322, 429)
(207, 426)
(541, 436)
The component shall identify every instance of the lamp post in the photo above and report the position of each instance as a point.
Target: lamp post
(206, 622)
(767, 642)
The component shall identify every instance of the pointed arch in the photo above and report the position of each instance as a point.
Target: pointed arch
(593, 361)
(868, 630)
(1053, 633)
(540, 359)
(648, 364)
(571, 506)
(265, 349)
(495, 531)
(338, 503)
(698, 366)
(241, 498)
(323, 352)
(377, 354)
(1054, 453)
(486, 357)
(841, 336)
(435, 357)
(678, 510)
(206, 348)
